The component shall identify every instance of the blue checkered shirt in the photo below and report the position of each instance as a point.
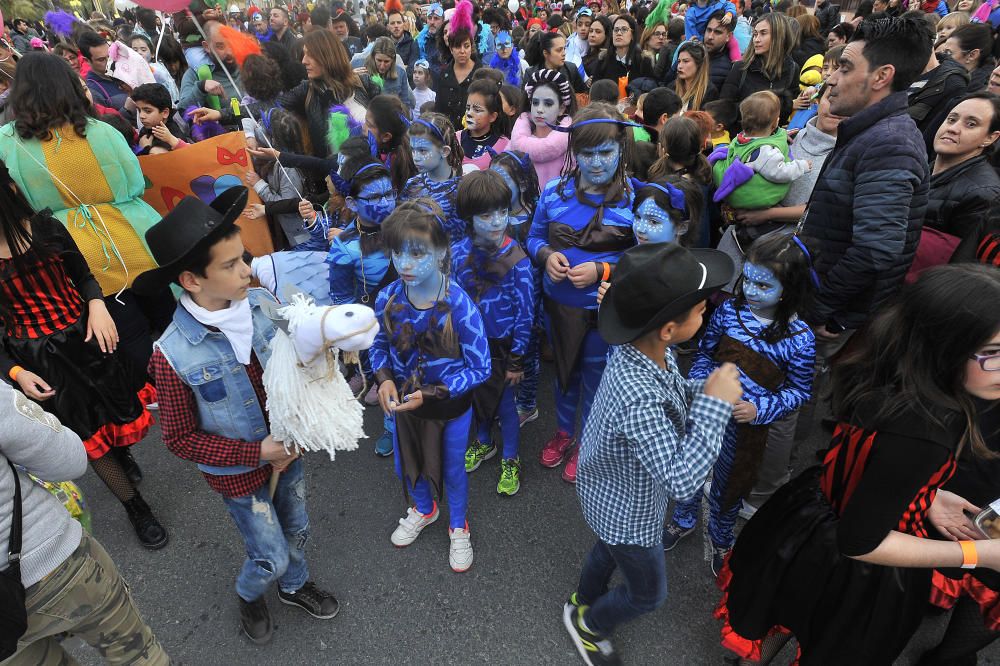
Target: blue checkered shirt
(651, 436)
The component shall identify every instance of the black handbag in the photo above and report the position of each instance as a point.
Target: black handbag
(13, 614)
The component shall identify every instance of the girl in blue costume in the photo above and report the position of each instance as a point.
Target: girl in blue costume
(438, 157)
(519, 174)
(759, 331)
(582, 224)
(493, 269)
(430, 353)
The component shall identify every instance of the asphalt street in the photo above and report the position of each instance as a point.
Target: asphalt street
(402, 606)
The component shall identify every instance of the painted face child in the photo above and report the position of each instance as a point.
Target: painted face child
(653, 224)
(515, 190)
(484, 202)
(418, 264)
(663, 211)
(546, 109)
(489, 229)
(762, 289)
(374, 201)
(479, 118)
(434, 147)
(598, 164)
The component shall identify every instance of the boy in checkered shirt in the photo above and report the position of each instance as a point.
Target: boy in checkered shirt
(652, 434)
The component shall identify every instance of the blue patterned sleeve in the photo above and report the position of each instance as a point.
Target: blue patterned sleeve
(317, 236)
(797, 388)
(379, 354)
(341, 274)
(523, 293)
(704, 359)
(538, 235)
(471, 333)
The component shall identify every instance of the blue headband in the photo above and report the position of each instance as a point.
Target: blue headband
(812, 271)
(593, 121)
(677, 199)
(406, 121)
(370, 165)
(430, 211)
(432, 127)
(525, 162)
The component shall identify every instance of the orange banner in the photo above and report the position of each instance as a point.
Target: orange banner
(205, 170)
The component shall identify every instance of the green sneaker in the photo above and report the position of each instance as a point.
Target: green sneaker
(510, 476)
(477, 453)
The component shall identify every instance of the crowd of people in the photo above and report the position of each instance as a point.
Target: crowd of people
(718, 222)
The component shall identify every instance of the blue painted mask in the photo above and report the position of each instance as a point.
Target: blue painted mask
(515, 198)
(375, 201)
(762, 289)
(417, 262)
(427, 155)
(598, 165)
(654, 225)
(489, 229)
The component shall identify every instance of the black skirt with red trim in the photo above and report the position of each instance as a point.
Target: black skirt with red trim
(786, 573)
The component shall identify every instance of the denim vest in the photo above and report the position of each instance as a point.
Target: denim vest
(205, 361)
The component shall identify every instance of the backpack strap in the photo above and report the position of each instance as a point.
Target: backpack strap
(14, 546)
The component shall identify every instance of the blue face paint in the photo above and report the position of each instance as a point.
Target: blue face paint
(375, 201)
(418, 263)
(599, 164)
(489, 229)
(653, 224)
(515, 191)
(762, 289)
(428, 157)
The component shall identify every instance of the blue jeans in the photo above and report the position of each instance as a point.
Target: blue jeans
(275, 534)
(643, 590)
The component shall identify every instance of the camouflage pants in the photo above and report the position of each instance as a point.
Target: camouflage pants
(85, 596)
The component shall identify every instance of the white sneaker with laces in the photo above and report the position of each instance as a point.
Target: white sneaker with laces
(460, 553)
(412, 525)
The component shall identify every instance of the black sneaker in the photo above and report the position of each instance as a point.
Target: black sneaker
(596, 650)
(718, 558)
(255, 620)
(151, 533)
(128, 463)
(673, 533)
(318, 603)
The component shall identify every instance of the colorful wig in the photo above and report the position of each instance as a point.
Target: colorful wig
(461, 26)
(240, 44)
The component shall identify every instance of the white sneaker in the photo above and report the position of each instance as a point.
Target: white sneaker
(412, 525)
(747, 510)
(460, 553)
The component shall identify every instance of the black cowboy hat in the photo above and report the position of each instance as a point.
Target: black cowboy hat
(188, 227)
(656, 282)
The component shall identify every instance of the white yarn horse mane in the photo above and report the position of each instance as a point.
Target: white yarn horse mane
(308, 400)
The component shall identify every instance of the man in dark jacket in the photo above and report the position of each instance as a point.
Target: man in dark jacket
(828, 15)
(342, 29)
(105, 89)
(406, 48)
(279, 21)
(717, 36)
(933, 94)
(868, 204)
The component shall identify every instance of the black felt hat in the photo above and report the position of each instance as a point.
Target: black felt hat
(654, 283)
(187, 228)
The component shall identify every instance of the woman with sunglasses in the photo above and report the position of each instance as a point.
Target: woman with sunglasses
(624, 59)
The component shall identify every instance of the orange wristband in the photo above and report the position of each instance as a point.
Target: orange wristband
(607, 271)
(14, 372)
(969, 556)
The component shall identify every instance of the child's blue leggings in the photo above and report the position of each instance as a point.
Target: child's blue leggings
(527, 390)
(720, 524)
(510, 428)
(455, 479)
(582, 385)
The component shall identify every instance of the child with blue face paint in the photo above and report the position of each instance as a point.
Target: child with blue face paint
(438, 155)
(430, 353)
(550, 102)
(493, 269)
(518, 173)
(486, 126)
(759, 331)
(582, 224)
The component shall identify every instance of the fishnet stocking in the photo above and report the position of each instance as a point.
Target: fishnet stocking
(113, 476)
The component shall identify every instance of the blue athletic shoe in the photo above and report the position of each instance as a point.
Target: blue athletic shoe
(383, 446)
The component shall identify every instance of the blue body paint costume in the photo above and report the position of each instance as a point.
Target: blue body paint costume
(561, 224)
(444, 193)
(355, 276)
(409, 350)
(788, 389)
(527, 390)
(502, 285)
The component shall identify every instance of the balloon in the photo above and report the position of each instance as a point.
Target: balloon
(513, 6)
(165, 5)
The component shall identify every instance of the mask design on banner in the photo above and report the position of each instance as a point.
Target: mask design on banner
(427, 156)
(653, 224)
(417, 263)
(545, 106)
(598, 165)
(489, 229)
(762, 289)
(375, 201)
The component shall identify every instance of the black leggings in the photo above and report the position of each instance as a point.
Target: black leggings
(140, 319)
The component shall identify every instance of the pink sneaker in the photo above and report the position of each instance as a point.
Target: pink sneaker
(569, 471)
(555, 450)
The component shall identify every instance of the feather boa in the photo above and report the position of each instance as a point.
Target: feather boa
(341, 126)
(60, 22)
(660, 13)
(511, 67)
(205, 130)
(461, 20)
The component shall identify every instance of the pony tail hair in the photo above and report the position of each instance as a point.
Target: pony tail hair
(402, 167)
(457, 154)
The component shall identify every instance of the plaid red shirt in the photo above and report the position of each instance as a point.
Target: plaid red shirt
(179, 423)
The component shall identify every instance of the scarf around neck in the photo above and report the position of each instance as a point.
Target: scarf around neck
(235, 322)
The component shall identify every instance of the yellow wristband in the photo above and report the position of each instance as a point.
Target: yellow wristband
(14, 372)
(969, 556)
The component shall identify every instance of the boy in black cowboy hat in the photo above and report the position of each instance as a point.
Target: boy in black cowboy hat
(208, 368)
(652, 435)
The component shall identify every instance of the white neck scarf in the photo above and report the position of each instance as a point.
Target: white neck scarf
(235, 322)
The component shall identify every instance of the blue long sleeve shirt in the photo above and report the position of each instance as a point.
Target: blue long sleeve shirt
(560, 224)
(696, 18)
(406, 360)
(507, 304)
(354, 277)
(445, 194)
(795, 355)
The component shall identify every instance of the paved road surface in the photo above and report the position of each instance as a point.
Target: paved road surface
(398, 606)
